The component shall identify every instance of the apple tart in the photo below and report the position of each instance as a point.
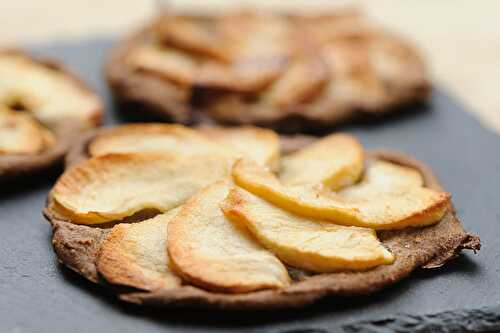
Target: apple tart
(243, 218)
(43, 108)
(285, 71)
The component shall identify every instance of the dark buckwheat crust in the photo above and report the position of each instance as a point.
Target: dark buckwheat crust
(77, 247)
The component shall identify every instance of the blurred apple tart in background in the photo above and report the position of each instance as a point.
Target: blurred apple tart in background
(289, 72)
(43, 108)
(243, 218)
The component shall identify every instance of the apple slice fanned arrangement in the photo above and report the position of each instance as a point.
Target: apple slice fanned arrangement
(307, 71)
(242, 218)
(43, 108)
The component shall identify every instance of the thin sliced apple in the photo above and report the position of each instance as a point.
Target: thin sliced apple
(245, 75)
(258, 46)
(314, 245)
(114, 186)
(258, 144)
(210, 251)
(258, 36)
(165, 138)
(169, 63)
(353, 84)
(395, 61)
(134, 255)
(384, 177)
(301, 82)
(335, 161)
(50, 95)
(21, 134)
(377, 206)
(195, 35)
(254, 54)
(326, 29)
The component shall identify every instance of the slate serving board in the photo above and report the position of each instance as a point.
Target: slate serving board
(39, 295)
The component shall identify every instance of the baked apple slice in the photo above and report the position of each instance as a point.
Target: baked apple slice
(260, 145)
(210, 251)
(114, 186)
(314, 245)
(381, 177)
(334, 162)
(157, 138)
(377, 206)
(303, 80)
(171, 64)
(21, 134)
(258, 48)
(200, 36)
(49, 94)
(133, 254)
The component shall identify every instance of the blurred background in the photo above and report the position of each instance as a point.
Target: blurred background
(460, 38)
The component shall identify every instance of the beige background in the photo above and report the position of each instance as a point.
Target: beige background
(461, 38)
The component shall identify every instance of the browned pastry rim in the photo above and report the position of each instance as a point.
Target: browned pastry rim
(13, 166)
(77, 247)
(152, 95)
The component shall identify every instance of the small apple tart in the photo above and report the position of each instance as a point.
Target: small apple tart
(43, 108)
(242, 218)
(293, 72)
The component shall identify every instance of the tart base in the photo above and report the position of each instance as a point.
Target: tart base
(430, 247)
(155, 96)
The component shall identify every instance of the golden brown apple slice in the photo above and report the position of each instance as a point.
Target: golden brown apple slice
(258, 144)
(353, 82)
(395, 61)
(377, 206)
(114, 186)
(255, 36)
(21, 134)
(169, 63)
(256, 52)
(384, 177)
(258, 47)
(324, 29)
(303, 80)
(50, 95)
(193, 34)
(335, 161)
(166, 138)
(246, 75)
(134, 255)
(212, 252)
(314, 245)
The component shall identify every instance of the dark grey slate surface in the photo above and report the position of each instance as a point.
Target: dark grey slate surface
(465, 320)
(38, 295)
